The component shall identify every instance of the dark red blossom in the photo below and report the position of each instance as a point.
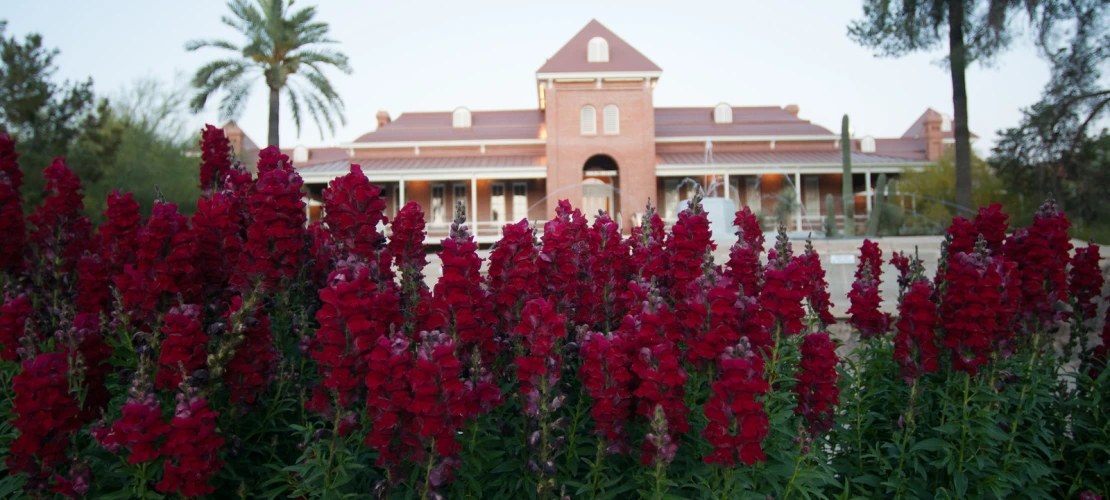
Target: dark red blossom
(707, 316)
(182, 347)
(138, 430)
(737, 421)
(13, 322)
(407, 239)
(648, 261)
(817, 296)
(513, 274)
(353, 209)
(46, 417)
(191, 448)
(744, 266)
(218, 229)
(915, 344)
(784, 288)
(323, 253)
(270, 159)
(438, 405)
(1085, 279)
(689, 242)
(93, 286)
(9, 162)
(164, 264)
(609, 261)
(252, 368)
(972, 311)
(88, 353)
(13, 229)
(817, 390)
(275, 238)
(864, 296)
(60, 232)
(388, 398)
(606, 374)
(1042, 252)
(564, 262)
(215, 157)
(118, 237)
(540, 330)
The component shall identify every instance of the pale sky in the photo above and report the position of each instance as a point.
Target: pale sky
(435, 56)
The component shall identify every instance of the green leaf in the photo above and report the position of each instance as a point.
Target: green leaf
(960, 481)
(931, 444)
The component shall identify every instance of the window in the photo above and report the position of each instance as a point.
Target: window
(812, 191)
(612, 119)
(520, 200)
(439, 204)
(945, 123)
(461, 118)
(598, 50)
(722, 113)
(867, 144)
(460, 197)
(670, 198)
(300, 154)
(752, 195)
(497, 203)
(589, 120)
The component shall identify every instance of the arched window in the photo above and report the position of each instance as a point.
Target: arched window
(461, 118)
(722, 113)
(612, 117)
(589, 120)
(945, 123)
(597, 51)
(300, 154)
(867, 144)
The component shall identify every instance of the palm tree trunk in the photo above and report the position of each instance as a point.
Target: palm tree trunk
(957, 56)
(274, 103)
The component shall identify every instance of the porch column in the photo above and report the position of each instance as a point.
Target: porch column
(798, 199)
(401, 191)
(474, 206)
(727, 193)
(867, 190)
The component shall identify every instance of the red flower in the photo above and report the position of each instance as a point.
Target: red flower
(990, 222)
(817, 390)
(9, 166)
(737, 421)
(439, 396)
(687, 245)
(864, 296)
(915, 344)
(218, 229)
(270, 159)
(164, 264)
(540, 329)
(972, 311)
(784, 288)
(59, 230)
(93, 287)
(182, 348)
(251, 369)
(118, 236)
(707, 317)
(13, 321)
(388, 398)
(1085, 279)
(275, 239)
(607, 376)
(138, 430)
(648, 259)
(1042, 252)
(353, 208)
(818, 290)
(609, 261)
(85, 342)
(564, 262)
(215, 158)
(323, 253)
(46, 418)
(13, 229)
(407, 242)
(190, 449)
(513, 273)
(744, 266)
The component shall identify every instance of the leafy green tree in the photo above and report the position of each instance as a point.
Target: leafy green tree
(49, 119)
(975, 30)
(288, 50)
(933, 194)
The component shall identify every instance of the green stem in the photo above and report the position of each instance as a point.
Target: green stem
(428, 474)
(596, 472)
(793, 477)
(963, 422)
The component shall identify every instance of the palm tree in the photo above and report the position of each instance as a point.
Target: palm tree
(280, 44)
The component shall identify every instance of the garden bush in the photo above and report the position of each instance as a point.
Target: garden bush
(244, 353)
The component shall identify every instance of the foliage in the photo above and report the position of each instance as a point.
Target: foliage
(242, 353)
(934, 194)
(283, 46)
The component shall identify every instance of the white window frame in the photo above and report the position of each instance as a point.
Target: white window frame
(722, 113)
(524, 200)
(597, 51)
(497, 203)
(588, 117)
(461, 118)
(439, 204)
(867, 144)
(611, 115)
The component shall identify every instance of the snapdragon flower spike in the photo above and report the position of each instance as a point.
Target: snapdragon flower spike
(1085, 279)
(46, 417)
(118, 237)
(744, 266)
(707, 315)
(864, 296)
(1042, 253)
(649, 260)
(513, 273)
(564, 261)
(9, 162)
(688, 243)
(59, 230)
(14, 314)
(388, 398)
(540, 330)
(88, 354)
(139, 429)
(738, 423)
(93, 286)
(784, 288)
(191, 448)
(163, 266)
(218, 229)
(606, 374)
(817, 390)
(438, 405)
(353, 209)
(660, 444)
(609, 261)
(251, 369)
(275, 238)
(13, 229)
(915, 343)
(407, 242)
(182, 347)
(215, 158)
(355, 312)
(902, 263)
(818, 297)
(971, 309)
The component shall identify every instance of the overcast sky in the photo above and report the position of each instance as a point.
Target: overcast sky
(425, 56)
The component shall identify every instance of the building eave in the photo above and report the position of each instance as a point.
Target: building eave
(747, 138)
(593, 75)
(444, 144)
(786, 168)
(434, 174)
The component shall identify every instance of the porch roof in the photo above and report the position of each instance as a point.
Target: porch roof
(432, 168)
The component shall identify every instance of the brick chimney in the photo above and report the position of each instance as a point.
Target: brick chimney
(792, 109)
(383, 118)
(934, 138)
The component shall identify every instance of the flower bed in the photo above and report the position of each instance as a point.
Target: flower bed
(241, 352)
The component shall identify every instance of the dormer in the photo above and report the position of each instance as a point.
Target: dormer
(461, 118)
(300, 154)
(867, 144)
(597, 51)
(722, 113)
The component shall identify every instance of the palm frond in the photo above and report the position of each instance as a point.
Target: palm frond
(192, 45)
(295, 107)
(231, 106)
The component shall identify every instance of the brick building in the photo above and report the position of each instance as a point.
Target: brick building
(597, 139)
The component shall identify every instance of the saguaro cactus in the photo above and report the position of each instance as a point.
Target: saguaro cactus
(846, 179)
(830, 216)
(877, 207)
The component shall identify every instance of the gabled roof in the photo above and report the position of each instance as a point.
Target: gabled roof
(917, 130)
(779, 158)
(622, 57)
(438, 126)
(746, 121)
(231, 128)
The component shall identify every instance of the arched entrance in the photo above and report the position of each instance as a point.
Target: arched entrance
(600, 186)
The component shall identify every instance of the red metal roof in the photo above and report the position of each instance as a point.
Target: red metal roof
(791, 158)
(437, 126)
(913, 149)
(746, 121)
(572, 57)
(426, 163)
